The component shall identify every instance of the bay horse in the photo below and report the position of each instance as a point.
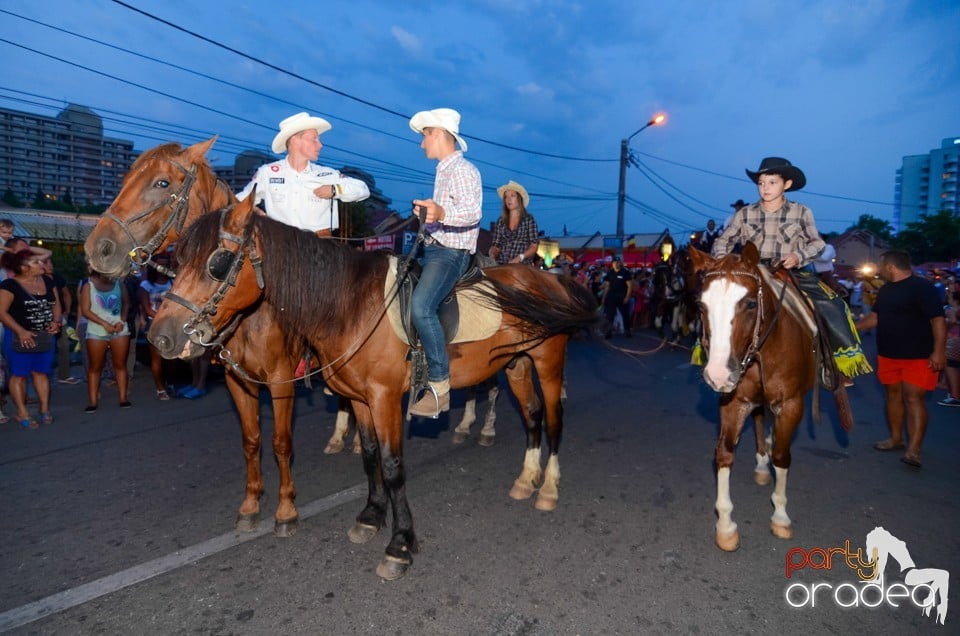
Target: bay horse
(334, 297)
(761, 353)
(166, 190)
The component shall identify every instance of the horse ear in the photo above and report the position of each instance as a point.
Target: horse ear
(750, 254)
(199, 150)
(701, 260)
(243, 211)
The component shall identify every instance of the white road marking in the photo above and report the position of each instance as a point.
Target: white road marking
(111, 583)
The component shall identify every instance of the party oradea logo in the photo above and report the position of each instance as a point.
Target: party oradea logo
(923, 588)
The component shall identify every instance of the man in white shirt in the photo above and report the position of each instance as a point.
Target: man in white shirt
(297, 191)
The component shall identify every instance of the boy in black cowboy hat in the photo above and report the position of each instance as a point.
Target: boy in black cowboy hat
(785, 234)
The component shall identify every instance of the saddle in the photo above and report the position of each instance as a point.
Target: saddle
(796, 303)
(466, 314)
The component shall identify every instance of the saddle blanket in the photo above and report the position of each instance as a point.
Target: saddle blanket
(478, 320)
(794, 303)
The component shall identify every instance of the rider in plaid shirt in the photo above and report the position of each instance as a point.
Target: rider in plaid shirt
(786, 235)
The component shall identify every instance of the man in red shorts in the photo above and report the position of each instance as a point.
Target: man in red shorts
(911, 349)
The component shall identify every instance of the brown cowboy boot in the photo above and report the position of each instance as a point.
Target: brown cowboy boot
(434, 400)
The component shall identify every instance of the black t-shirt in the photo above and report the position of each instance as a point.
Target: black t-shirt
(904, 311)
(60, 283)
(618, 285)
(31, 312)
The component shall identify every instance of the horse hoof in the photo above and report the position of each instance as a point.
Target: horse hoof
(361, 533)
(333, 447)
(392, 568)
(486, 440)
(781, 531)
(521, 491)
(285, 529)
(761, 477)
(729, 542)
(247, 523)
(459, 438)
(546, 504)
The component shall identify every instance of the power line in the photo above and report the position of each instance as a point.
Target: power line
(335, 91)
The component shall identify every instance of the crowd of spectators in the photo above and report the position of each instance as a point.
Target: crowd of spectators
(97, 325)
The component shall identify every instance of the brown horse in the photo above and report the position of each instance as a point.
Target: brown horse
(761, 352)
(335, 298)
(166, 190)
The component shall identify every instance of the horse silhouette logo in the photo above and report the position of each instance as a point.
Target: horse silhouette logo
(882, 546)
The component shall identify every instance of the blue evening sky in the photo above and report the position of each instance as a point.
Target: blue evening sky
(842, 89)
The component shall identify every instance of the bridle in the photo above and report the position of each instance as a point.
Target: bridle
(177, 202)
(223, 265)
(757, 339)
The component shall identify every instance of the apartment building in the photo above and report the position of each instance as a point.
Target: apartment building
(65, 154)
(927, 184)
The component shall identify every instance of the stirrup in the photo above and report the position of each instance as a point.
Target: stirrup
(442, 402)
(436, 399)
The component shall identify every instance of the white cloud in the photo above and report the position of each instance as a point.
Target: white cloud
(407, 41)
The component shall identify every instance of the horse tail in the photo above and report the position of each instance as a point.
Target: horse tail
(844, 410)
(548, 310)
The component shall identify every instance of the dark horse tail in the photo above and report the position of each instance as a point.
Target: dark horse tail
(546, 310)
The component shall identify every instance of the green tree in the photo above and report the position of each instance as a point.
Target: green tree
(934, 237)
(878, 227)
(11, 199)
(356, 218)
(39, 200)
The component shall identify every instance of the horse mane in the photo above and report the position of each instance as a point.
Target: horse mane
(318, 288)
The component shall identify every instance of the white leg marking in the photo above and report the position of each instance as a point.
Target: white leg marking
(469, 414)
(725, 524)
(529, 477)
(491, 419)
(550, 490)
(779, 498)
(335, 444)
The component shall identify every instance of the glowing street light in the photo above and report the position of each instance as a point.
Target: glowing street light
(657, 120)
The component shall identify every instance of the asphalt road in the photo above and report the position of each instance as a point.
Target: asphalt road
(122, 522)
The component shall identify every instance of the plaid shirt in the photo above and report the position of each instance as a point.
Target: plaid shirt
(513, 243)
(789, 230)
(459, 191)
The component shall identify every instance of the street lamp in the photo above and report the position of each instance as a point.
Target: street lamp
(624, 158)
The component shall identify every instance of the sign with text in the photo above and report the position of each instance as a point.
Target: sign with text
(378, 243)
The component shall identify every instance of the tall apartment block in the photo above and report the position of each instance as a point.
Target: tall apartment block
(927, 184)
(61, 154)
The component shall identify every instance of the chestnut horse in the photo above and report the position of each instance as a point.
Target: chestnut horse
(761, 352)
(165, 191)
(334, 297)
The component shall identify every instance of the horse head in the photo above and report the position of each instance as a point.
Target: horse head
(165, 187)
(219, 277)
(731, 309)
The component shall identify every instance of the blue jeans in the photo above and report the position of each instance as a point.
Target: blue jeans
(442, 267)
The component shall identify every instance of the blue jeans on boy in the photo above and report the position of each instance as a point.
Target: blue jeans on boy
(441, 267)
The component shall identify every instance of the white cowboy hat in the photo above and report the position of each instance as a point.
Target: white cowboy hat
(516, 187)
(298, 123)
(445, 118)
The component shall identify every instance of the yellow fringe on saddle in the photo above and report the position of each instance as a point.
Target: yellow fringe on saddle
(698, 358)
(851, 361)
